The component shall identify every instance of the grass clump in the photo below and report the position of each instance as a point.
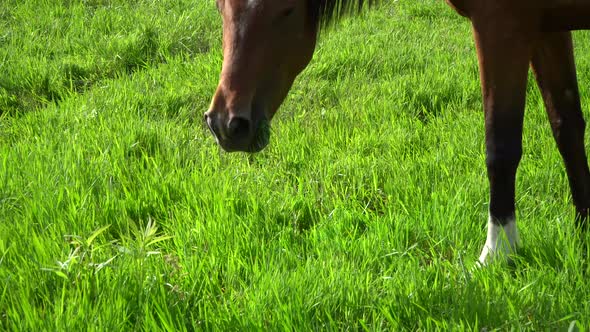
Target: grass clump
(366, 212)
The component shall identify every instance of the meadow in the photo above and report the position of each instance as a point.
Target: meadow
(366, 212)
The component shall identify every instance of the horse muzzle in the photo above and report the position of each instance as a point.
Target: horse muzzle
(239, 133)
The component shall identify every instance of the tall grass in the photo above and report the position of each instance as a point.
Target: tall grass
(367, 212)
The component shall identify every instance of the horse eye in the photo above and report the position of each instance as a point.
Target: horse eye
(287, 12)
(283, 16)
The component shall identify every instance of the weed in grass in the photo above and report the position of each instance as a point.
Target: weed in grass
(366, 212)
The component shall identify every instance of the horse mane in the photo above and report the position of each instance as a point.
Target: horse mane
(325, 12)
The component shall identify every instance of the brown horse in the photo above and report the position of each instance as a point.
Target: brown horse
(267, 43)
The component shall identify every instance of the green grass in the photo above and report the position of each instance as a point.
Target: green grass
(366, 212)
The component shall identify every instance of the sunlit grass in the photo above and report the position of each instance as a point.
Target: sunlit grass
(366, 212)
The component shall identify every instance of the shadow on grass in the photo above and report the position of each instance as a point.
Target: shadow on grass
(23, 94)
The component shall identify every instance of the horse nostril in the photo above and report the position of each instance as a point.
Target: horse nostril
(238, 127)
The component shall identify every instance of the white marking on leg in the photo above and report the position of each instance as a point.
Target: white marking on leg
(500, 243)
(490, 247)
(512, 234)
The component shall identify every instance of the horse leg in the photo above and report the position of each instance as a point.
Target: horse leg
(504, 52)
(555, 70)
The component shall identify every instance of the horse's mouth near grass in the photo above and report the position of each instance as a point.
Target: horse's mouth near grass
(256, 143)
(261, 137)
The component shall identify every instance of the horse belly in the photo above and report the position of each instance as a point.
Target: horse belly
(567, 15)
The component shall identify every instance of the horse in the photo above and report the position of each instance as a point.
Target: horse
(267, 43)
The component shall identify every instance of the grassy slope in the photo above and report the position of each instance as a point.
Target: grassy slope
(367, 210)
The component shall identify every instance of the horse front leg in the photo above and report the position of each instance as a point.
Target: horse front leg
(555, 70)
(504, 52)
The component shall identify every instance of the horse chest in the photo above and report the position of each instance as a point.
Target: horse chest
(460, 6)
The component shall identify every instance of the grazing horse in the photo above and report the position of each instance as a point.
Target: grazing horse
(267, 43)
